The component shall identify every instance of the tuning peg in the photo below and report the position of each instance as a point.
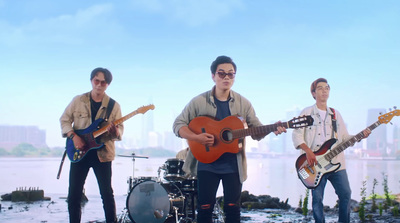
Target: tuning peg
(395, 107)
(380, 113)
(390, 109)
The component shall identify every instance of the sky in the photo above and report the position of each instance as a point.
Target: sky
(160, 51)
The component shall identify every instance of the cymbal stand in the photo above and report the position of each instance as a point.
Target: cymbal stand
(131, 182)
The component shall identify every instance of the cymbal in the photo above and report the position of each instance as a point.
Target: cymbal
(134, 156)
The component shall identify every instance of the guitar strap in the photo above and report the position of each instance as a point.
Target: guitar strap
(334, 126)
(110, 107)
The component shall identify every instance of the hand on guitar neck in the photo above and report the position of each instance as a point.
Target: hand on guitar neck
(310, 155)
(113, 130)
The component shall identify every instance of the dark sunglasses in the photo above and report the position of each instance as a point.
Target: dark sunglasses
(222, 75)
(103, 83)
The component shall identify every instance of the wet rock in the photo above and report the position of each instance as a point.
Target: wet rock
(24, 194)
(251, 201)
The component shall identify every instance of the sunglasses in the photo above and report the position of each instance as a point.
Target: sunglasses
(222, 75)
(103, 83)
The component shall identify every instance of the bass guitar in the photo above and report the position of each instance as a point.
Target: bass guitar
(90, 134)
(229, 134)
(311, 176)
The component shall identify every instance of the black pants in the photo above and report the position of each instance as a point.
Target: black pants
(208, 183)
(77, 177)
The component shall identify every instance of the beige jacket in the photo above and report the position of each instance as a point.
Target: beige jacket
(77, 115)
(204, 105)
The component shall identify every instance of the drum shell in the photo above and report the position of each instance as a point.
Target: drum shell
(189, 185)
(151, 201)
(173, 170)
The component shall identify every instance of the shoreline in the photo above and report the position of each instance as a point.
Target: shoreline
(56, 210)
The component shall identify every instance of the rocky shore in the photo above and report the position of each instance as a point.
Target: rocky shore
(275, 210)
(258, 209)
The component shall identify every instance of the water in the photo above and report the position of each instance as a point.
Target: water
(272, 176)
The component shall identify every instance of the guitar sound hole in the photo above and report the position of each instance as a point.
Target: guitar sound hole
(227, 135)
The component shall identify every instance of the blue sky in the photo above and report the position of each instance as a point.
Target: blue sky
(159, 51)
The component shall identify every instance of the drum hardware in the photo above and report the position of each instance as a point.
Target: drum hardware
(152, 200)
(131, 180)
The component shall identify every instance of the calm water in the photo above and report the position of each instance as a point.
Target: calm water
(272, 176)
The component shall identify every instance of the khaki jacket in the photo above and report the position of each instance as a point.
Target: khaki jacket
(204, 105)
(77, 115)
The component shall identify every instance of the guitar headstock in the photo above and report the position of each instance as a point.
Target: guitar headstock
(144, 109)
(301, 121)
(385, 118)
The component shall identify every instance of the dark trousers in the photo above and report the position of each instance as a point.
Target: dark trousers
(77, 177)
(208, 183)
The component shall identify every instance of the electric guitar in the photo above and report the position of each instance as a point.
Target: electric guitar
(90, 134)
(229, 134)
(311, 176)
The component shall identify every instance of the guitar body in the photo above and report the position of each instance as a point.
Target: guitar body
(224, 143)
(76, 155)
(311, 176)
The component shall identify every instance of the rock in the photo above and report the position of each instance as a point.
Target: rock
(27, 195)
(251, 201)
(35, 195)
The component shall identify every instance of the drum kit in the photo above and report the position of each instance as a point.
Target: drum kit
(151, 199)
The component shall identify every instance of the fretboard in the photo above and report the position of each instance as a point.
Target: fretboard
(117, 122)
(259, 130)
(349, 142)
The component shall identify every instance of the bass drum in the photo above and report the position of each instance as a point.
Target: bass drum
(149, 202)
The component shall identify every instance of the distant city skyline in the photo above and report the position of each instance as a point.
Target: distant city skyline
(383, 141)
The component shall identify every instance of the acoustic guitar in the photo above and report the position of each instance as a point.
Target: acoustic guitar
(229, 134)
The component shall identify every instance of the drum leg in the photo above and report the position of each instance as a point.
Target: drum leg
(123, 217)
(218, 213)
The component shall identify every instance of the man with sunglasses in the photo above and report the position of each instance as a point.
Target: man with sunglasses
(80, 114)
(220, 102)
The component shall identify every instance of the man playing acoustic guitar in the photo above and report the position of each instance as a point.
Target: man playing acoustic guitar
(218, 103)
(80, 114)
(328, 124)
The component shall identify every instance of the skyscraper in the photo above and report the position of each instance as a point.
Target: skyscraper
(376, 142)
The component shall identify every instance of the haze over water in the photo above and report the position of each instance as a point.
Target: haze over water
(267, 176)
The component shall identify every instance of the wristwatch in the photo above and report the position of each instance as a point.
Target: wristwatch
(71, 136)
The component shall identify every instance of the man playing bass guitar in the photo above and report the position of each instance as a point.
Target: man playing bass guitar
(328, 124)
(84, 110)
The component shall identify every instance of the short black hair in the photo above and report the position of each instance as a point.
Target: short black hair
(107, 74)
(221, 60)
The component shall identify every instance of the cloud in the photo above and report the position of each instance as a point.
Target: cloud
(70, 29)
(190, 12)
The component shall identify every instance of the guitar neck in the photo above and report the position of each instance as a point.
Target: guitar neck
(259, 130)
(346, 144)
(117, 122)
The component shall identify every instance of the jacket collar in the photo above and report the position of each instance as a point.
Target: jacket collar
(212, 93)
